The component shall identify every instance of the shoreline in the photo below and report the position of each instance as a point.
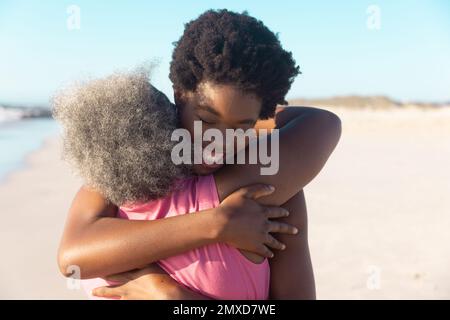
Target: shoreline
(19, 139)
(26, 161)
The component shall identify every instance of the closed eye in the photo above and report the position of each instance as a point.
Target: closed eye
(210, 122)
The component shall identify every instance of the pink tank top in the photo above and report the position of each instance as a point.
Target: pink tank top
(218, 271)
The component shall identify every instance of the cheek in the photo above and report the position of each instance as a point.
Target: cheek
(186, 119)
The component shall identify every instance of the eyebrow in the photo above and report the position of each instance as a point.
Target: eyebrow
(214, 112)
(208, 109)
(248, 121)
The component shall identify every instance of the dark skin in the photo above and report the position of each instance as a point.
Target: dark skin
(101, 244)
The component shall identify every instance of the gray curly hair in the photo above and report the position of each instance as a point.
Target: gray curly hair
(116, 133)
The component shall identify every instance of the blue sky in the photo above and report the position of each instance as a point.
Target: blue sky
(408, 58)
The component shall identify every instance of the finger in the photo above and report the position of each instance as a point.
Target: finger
(280, 227)
(107, 292)
(256, 191)
(274, 243)
(263, 251)
(276, 212)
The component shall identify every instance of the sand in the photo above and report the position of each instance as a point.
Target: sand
(379, 213)
(34, 202)
(380, 210)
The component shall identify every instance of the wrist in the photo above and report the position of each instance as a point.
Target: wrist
(218, 222)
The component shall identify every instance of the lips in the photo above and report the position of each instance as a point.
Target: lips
(213, 158)
(212, 166)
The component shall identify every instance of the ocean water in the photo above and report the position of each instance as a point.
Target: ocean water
(18, 138)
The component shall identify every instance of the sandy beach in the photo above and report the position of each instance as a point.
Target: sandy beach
(35, 201)
(379, 213)
(380, 210)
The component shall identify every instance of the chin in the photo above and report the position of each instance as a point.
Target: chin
(203, 170)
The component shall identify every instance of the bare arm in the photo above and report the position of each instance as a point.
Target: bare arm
(292, 275)
(101, 244)
(307, 137)
(291, 270)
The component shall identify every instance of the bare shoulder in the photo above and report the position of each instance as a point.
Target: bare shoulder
(90, 202)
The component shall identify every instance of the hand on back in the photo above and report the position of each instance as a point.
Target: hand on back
(248, 225)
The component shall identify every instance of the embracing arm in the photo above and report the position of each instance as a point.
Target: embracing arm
(292, 275)
(291, 270)
(101, 244)
(313, 134)
(307, 137)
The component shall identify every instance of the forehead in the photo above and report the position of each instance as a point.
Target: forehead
(228, 101)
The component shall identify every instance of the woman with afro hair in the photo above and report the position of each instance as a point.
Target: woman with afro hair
(229, 71)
